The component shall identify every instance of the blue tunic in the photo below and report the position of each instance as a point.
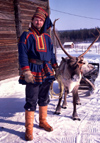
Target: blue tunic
(32, 46)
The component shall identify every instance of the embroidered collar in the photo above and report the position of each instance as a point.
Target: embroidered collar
(33, 29)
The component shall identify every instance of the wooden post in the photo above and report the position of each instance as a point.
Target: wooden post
(18, 22)
(17, 18)
(48, 10)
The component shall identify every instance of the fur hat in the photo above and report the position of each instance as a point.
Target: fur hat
(40, 13)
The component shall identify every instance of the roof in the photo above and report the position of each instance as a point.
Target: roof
(68, 43)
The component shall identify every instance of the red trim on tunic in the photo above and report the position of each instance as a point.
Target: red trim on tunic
(41, 44)
(47, 34)
(27, 37)
(24, 68)
(40, 76)
(40, 41)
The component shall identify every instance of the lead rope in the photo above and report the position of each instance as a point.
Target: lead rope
(52, 93)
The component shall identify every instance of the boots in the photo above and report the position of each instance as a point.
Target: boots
(42, 118)
(29, 117)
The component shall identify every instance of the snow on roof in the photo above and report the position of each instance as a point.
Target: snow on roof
(68, 43)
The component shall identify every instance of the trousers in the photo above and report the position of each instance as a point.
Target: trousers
(37, 94)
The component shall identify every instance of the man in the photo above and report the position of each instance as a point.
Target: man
(36, 60)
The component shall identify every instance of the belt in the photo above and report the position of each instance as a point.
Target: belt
(37, 61)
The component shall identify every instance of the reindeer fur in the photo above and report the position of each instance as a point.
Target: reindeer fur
(70, 82)
(69, 75)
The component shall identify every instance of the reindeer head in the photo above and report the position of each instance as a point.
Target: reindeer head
(74, 63)
(73, 67)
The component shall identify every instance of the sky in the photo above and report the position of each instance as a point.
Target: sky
(75, 14)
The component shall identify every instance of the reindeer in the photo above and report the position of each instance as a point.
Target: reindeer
(69, 75)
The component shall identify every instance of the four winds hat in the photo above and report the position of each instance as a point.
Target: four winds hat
(40, 13)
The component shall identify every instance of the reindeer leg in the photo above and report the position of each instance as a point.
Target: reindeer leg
(75, 96)
(58, 108)
(78, 100)
(64, 105)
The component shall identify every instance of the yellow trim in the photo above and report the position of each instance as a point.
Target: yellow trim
(42, 43)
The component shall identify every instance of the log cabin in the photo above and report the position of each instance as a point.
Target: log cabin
(68, 45)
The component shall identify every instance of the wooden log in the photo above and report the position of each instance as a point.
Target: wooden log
(7, 35)
(26, 24)
(8, 44)
(27, 11)
(26, 17)
(9, 73)
(38, 2)
(5, 63)
(17, 18)
(11, 63)
(6, 2)
(26, 21)
(10, 70)
(7, 69)
(5, 23)
(7, 55)
(3, 77)
(33, 5)
(25, 6)
(8, 29)
(8, 63)
(7, 41)
(31, 8)
(8, 10)
(6, 16)
(8, 48)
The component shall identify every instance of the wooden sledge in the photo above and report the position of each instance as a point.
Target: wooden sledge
(90, 76)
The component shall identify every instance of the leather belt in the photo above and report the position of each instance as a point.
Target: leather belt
(37, 61)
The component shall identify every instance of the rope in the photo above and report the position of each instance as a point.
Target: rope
(57, 94)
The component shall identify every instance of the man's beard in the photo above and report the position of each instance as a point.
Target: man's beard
(38, 27)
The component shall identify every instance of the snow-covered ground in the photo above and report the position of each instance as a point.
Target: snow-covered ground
(12, 100)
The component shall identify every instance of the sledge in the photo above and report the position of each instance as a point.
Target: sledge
(90, 76)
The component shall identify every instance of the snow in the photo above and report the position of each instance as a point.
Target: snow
(68, 43)
(12, 120)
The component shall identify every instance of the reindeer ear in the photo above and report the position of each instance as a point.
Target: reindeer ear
(63, 59)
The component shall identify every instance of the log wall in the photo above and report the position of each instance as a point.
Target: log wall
(15, 16)
(8, 41)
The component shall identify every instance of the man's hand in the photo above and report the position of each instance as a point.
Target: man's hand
(28, 77)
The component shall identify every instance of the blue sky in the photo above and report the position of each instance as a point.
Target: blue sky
(81, 8)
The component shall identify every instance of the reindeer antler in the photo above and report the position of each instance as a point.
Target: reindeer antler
(90, 45)
(59, 39)
(65, 50)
